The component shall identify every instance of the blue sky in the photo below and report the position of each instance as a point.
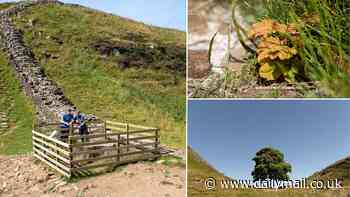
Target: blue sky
(311, 134)
(163, 13)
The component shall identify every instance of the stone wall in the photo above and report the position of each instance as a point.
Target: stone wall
(47, 96)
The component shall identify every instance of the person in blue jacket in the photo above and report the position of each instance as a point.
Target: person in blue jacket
(80, 120)
(67, 119)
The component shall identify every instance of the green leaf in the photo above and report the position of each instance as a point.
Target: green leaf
(269, 71)
(211, 47)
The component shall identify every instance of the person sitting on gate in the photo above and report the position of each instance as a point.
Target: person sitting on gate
(80, 120)
(67, 119)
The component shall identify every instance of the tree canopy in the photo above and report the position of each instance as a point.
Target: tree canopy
(270, 164)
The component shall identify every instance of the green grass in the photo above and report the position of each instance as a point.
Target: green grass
(94, 83)
(198, 170)
(172, 161)
(5, 5)
(199, 167)
(20, 112)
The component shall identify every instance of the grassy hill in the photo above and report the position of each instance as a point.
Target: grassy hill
(19, 112)
(339, 170)
(111, 66)
(199, 170)
(5, 5)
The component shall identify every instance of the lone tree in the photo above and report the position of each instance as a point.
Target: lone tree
(270, 164)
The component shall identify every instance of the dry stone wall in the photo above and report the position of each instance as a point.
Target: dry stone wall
(47, 96)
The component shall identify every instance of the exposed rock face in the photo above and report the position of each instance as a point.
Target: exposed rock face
(47, 96)
(141, 54)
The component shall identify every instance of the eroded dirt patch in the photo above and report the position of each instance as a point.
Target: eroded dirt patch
(24, 176)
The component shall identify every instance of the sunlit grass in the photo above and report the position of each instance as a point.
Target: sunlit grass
(20, 111)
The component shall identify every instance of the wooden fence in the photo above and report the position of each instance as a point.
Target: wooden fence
(108, 144)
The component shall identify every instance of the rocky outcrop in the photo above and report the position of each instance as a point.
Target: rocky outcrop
(135, 52)
(47, 96)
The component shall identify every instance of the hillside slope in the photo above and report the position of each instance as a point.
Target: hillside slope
(339, 170)
(198, 171)
(199, 167)
(16, 113)
(111, 66)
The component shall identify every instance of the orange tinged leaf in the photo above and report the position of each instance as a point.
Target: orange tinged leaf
(262, 28)
(272, 48)
(293, 29)
(267, 27)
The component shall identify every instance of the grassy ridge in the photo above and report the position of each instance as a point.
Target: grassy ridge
(19, 110)
(339, 170)
(198, 171)
(199, 167)
(94, 82)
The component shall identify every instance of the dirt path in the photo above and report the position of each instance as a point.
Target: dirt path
(24, 176)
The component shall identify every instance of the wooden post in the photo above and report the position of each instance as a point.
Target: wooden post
(70, 143)
(105, 128)
(157, 140)
(127, 137)
(45, 140)
(118, 157)
(58, 152)
(71, 130)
